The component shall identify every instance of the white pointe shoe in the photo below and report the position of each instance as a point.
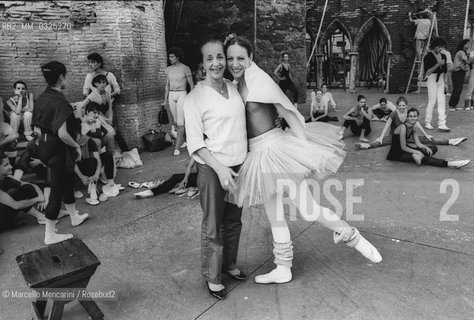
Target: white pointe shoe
(458, 163)
(280, 274)
(358, 242)
(456, 141)
(78, 219)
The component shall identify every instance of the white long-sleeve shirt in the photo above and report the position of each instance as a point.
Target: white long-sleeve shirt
(216, 123)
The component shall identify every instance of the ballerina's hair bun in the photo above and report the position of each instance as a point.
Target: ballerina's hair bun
(52, 70)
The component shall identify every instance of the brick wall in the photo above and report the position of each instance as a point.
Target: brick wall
(128, 34)
(280, 27)
(394, 15)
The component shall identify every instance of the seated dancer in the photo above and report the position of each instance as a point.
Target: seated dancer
(398, 117)
(417, 152)
(95, 126)
(358, 119)
(186, 180)
(30, 160)
(21, 108)
(328, 98)
(274, 155)
(16, 196)
(319, 109)
(382, 110)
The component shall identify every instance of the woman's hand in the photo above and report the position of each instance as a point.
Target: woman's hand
(226, 178)
(429, 151)
(84, 179)
(183, 184)
(79, 153)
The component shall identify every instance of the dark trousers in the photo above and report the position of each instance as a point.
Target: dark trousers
(458, 80)
(53, 154)
(323, 119)
(8, 214)
(427, 160)
(289, 85)
(89, 165)
(221, 226)
(173, 181)
(357, 129)
(379, 113)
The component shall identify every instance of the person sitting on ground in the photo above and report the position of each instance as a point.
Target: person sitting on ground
(88, 169)
(21, 107)
(382, 110)
(398, 117)
(328, 98)
(319, 109)
(8, 140)
(418, 153)
(96, 127)
(30, 160)
(358, 119)
(177, 183)
(16, 196)
(96, 65)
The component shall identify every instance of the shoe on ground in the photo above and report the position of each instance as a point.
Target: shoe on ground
(280, 274)
(181, 191)
(92, 202)
(456, 141)
(103, 197)
(443, 128)
(237, 274)
(219, 294)
(458, 163)
(192, 192)
(78, 194)
(144, 194)
(429, 126)
(466, 109)
(176, 152)
(184, 145)
(454, 109)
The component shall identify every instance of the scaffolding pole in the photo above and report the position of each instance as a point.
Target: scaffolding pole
(317, 36)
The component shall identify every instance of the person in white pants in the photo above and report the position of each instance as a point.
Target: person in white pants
(435, 67)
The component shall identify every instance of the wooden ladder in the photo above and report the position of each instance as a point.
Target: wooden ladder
(417, 71)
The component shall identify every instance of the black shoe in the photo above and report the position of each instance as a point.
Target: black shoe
(239, 277)
(217, 294)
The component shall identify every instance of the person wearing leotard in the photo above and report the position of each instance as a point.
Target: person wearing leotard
(274, 155)
(282, 71)
(418, 153)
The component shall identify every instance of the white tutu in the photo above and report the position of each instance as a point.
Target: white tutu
(281, 155)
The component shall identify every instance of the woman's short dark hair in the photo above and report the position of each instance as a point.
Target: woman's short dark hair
(360, 97)
(97, 58)
(238, 40)
(382, 100)
(92, 107)
(178, 52)
(52, 70)
(414, 110)
(19, 82)
(461, 45)
(283, 54)
(208, 42)
(436, 42)
(99, 78)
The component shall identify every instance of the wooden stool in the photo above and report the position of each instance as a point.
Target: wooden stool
(68, 264)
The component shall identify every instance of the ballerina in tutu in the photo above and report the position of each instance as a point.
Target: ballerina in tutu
(276, 154)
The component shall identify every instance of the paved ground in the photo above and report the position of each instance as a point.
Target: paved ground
(149, 249)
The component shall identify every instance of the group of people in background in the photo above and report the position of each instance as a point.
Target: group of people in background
(65, 142)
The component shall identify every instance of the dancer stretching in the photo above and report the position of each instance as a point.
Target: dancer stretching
(418, 152)
(275, 154)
